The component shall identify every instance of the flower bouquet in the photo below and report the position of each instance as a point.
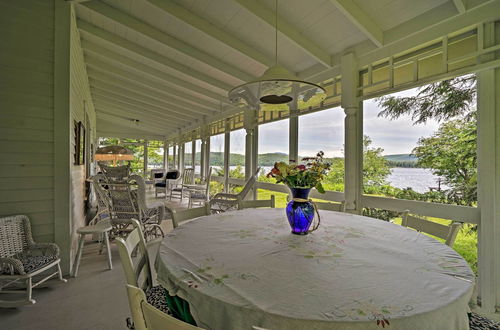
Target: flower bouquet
(301, 179)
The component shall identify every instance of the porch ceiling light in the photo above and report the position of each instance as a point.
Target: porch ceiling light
(113, 153)
(277, 89)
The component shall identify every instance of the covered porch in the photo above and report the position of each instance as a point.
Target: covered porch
(156, 75)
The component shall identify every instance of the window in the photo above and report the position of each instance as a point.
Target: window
(273, 145)
(237, 154)
(324, 131)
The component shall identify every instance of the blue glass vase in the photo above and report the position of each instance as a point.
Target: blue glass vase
(300, 213)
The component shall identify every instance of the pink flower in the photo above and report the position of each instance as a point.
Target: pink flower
(301, 167)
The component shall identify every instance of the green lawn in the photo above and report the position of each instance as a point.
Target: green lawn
(465, 244)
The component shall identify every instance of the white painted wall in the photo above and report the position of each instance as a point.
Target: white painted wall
(29, 123)
(27, 113)
(81, 105)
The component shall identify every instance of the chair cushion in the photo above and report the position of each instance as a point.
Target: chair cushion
(172, 175)
(158, 175)
(156, 297)
(198, 195)
(161, 184)
(478, 322)
(33, 263)
(176, 189)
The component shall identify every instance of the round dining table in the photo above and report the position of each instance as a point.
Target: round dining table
(245, 268)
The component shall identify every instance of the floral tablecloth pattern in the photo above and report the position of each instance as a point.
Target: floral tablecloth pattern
(244, 268)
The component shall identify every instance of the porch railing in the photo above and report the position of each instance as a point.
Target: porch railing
(445, 211)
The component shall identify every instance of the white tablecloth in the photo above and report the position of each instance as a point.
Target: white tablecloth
(244, 268)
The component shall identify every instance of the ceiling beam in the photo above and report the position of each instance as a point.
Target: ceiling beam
(123, 72)
(146, 99)
(181, 98)
(110, 109)
(138, 112)
(426, 27)
(109, 133)
(128, 123)
(210, 29)
(460, 5)
(122, 99)
(287, 30)
(166, 39)
(125, 111)
(149, 54)
(143, 69)
(361, 20)
(146, 92)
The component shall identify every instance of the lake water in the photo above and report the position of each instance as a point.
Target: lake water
(419, 179)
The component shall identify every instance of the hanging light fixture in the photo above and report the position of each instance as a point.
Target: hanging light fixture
(277, 89)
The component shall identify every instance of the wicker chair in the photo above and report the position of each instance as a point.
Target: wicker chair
(21, 259)
(115, 173)
(126, 201)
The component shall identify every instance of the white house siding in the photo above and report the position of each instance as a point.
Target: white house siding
(80, 103)
(26, 113)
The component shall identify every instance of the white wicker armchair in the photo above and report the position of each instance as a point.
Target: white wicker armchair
(21, 259)
(126, 201)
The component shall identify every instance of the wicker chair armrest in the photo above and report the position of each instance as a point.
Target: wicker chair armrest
(155, 213)
(11, 266)
(43, 249)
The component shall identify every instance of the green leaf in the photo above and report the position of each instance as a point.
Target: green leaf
(319, 188)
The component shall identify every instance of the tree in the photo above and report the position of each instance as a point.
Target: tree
(375, 167)
(440, 101)
(451, 154)
(451, 151)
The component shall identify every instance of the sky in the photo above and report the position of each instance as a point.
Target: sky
(324, 130)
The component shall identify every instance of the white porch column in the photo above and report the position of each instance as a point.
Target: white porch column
(255, 155)
(293, 138)
(165, 155)
(193, 152)
(488, 159)
(227, 151)
(353, 134)
(207, 155)
(205, 150)
(145, 157)
(250, 149)
(174, 156)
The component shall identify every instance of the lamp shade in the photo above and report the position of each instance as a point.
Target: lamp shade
(277, 90)
(113, 153)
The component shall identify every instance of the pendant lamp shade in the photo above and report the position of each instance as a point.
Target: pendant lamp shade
(277, 89)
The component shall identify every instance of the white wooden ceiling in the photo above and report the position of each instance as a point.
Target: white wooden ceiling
(170, 63)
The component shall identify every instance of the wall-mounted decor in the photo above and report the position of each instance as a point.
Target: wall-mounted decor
(79, 143)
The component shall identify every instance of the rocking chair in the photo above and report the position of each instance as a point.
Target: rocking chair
(21, 259)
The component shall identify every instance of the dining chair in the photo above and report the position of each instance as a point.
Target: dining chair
(181, 189)
(139, 273)
(448, 233)
(201, 196)
(147, 317)
(338, 207)
(181, 216)
(223, 202)
(258, 203)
